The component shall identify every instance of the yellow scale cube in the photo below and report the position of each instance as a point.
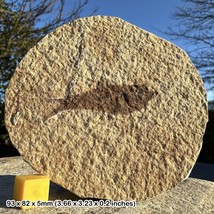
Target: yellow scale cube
(31, 188)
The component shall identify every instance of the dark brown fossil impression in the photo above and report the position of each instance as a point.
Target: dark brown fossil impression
(110, 98)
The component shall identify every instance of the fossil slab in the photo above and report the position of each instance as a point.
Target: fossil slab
(107, 110)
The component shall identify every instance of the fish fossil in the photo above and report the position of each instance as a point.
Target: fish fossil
(109, 98)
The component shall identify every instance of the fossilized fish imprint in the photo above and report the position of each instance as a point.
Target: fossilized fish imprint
(110, 98)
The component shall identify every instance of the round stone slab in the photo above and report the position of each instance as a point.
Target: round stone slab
(107, 110)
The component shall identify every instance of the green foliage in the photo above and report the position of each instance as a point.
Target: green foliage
(3, 136)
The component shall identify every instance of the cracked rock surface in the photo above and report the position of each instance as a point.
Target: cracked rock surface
(107, 110)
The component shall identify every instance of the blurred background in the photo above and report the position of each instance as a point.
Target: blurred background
(187, 23)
